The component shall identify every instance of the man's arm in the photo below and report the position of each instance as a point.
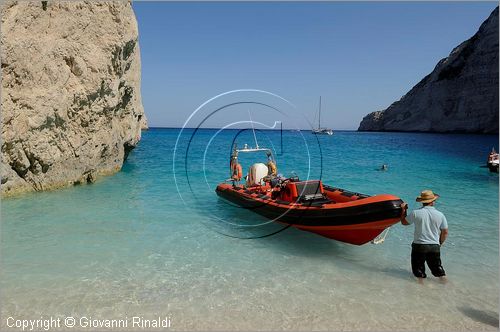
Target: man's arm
(404, 209)
(443, 236)
(444, 230)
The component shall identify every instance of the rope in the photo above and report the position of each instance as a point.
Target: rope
(381, 237)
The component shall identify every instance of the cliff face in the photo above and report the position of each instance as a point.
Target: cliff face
(459, 95)
(71, 105)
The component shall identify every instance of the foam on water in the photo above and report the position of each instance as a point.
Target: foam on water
(127, 245)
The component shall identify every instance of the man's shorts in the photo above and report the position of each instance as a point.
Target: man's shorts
(422, 253)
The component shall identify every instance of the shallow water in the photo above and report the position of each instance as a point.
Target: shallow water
(129, 245)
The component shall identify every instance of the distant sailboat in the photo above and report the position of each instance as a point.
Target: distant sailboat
(319, 130)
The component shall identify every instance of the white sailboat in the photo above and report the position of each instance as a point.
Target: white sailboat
(319, 130)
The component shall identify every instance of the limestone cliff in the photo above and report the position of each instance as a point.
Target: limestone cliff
(71, 103)
(459, 95)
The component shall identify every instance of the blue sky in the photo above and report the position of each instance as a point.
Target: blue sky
(359, 56)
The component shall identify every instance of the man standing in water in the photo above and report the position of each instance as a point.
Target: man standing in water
(431, 230)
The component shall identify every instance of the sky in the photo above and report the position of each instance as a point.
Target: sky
(359, 56)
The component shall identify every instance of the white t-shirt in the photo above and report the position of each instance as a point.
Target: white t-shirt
(428, 224)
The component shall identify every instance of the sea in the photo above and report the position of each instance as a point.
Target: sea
(155, 242)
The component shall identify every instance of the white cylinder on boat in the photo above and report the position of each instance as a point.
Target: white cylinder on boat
(255, 174)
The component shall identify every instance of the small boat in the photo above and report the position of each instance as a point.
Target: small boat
(319, 130)
(493, 161)
(322, 131)
(309, 205)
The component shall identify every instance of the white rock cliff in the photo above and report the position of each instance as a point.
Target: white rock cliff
(459, 95)
(71, 103)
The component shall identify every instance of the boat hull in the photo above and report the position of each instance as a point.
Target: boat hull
(353, 221)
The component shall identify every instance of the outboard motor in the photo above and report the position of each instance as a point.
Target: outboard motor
(256, 173)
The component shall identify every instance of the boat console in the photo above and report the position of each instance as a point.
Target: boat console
(302, 191)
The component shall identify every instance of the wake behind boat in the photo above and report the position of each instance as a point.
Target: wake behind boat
(308, 205)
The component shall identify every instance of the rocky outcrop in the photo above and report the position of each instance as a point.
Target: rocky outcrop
(71, 104)
(459, 95)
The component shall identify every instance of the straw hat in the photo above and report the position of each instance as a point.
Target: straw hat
(427, 196)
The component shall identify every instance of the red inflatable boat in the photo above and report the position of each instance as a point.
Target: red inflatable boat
(309, 205)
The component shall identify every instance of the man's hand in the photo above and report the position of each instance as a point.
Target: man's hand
(404, 208)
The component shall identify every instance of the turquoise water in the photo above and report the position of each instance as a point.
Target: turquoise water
(131, 245)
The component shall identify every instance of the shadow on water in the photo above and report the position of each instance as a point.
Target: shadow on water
(394, 272)
(306, 244)
(233, 221)
(313, 246)
(291, 241)
(482, 316)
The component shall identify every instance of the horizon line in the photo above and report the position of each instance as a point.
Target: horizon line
(339, 130)
(217, 128)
